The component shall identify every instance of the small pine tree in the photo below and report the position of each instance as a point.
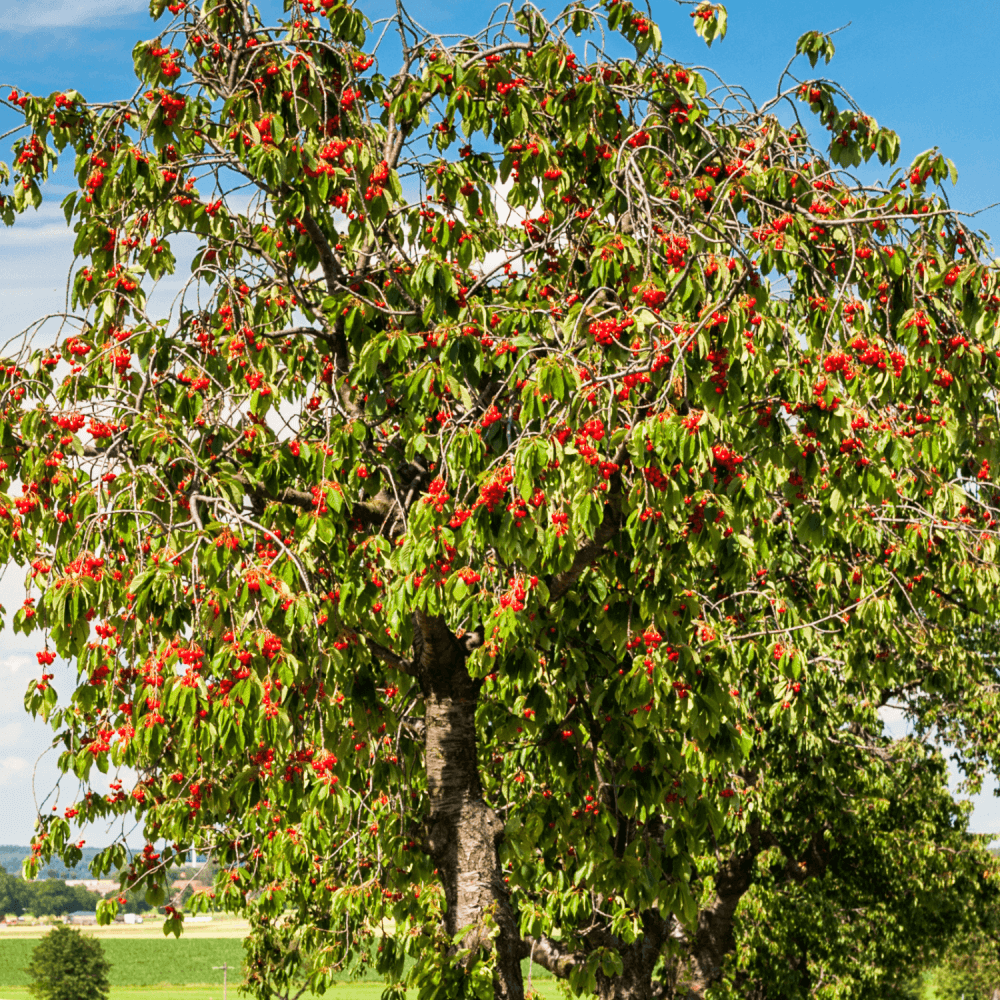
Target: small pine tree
(66, 965)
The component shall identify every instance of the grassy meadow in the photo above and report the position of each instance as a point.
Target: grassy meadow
(345, 991)
(147, 966)
(141, 962)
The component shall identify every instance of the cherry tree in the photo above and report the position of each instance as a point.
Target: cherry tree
(545, 434)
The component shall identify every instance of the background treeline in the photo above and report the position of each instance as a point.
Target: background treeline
(969, 970)
(43, 897)
(51, 896)
(12, 855)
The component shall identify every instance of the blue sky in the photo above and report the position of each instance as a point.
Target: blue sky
(926, 69)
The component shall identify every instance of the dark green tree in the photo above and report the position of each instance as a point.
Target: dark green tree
(862, 876)
(9, 893)
(48, 896)
(66, 965)
(969, 970)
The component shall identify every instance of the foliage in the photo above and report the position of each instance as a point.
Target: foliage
(470, 561)
(9, 898)
(884, 877)
(970, 970)
(67, 965)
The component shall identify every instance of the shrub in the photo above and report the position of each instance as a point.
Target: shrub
(66, 965)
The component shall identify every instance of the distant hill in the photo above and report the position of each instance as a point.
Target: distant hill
(12, 855)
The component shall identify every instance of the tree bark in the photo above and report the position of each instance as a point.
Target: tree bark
(638, 961)
(550, 955)
(714, 938)
(464, 832)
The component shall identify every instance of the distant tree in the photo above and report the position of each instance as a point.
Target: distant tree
(52, 896)
(862, 876)
(83, 899)
(68, 966)
(9, 895)
(969, 970)
(49, 896)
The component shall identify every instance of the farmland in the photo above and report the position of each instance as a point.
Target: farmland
(546, 990)
(142, 962)
(147, 966)
(345, 991)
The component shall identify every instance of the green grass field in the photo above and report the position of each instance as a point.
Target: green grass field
(345, 991)
(546, 990)
(142, 962)
(186, 969)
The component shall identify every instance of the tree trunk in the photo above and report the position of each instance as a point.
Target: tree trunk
(464, 832)
(638, 960)
(714, 938)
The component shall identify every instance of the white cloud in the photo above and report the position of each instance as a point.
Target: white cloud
(12, 768)
(16, 669)
(11, 597)
(986, 812)
(12, 699)
(10, 735)
(24, 17)
(15, 663)
(894, 721)
(35, 258)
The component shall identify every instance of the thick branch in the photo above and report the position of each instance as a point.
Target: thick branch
(292, 497)
(550, 955)
(388, 657)
(371, 513)
(562, 582)
(714, 938)
(331, 268)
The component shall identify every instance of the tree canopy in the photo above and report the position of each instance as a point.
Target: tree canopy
(44, 897)
(549, 446)
(67, 965)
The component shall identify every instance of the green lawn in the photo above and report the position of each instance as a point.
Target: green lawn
(345, 991)
(354, 991)
(186, 969)
(142, 962)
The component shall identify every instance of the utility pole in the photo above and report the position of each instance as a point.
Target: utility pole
(225, 970)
